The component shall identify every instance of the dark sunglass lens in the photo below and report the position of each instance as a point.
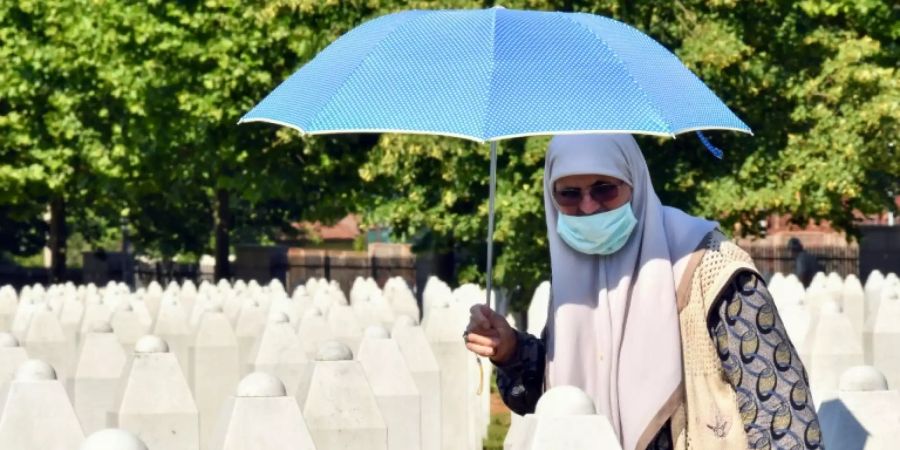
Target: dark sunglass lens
(568, 197)
(604, 192)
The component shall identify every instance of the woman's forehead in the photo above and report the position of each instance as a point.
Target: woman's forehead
(584, 180)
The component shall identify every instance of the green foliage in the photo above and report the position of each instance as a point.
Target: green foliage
(58, 135)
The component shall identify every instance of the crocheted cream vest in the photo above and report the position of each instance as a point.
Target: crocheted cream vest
(708, 418)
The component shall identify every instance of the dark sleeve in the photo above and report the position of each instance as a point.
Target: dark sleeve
(762, 365)
(521, 379)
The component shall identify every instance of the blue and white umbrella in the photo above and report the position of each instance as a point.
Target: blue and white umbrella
(493, 74)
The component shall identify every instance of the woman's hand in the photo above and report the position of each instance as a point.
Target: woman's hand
(490, 335)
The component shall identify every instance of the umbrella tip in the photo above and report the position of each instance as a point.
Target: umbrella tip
(717, 152)
(498, 7)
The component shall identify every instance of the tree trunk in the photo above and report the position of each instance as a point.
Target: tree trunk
(223, 228)
(58, 236)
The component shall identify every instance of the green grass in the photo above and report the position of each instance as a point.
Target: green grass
(497, 431)
(499, 424)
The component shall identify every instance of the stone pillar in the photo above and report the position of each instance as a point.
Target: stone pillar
(154, 400)
(36, 411)
(172, 326)
(886, 336)
(101, 361)
(262, 416)
(11, 357)
(864, 416)
(313, 331)
(394, 388)
(46, 341)
(565, 417)
(538, 308)
(214, 367)
(112, 439)
(279, 352)
(427, 375)
(340, 410)
(444, 327)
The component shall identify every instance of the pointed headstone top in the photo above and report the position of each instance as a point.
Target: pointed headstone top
(35, 370)
(151, 344)
(376, 332)
(565, 401)
(112, 439)
(261, 384)
(334, 351)
(863, 378)
(8, 340)
(100, 326)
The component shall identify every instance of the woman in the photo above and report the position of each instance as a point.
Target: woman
(653, 313)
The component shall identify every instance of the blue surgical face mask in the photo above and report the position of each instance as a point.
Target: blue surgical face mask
(597, 234)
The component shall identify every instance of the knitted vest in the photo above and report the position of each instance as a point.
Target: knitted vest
(708, 418)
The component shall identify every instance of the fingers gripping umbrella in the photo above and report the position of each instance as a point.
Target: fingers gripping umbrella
(493, 74)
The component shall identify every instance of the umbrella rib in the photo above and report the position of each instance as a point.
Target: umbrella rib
(492, 71)
(621, 62)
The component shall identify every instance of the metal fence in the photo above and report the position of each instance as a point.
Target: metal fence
(770, 259)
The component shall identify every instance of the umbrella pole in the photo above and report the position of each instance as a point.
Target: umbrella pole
(492, 189)
(490, 236)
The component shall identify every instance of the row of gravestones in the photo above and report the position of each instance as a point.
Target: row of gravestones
(179, 388)
(848, 336)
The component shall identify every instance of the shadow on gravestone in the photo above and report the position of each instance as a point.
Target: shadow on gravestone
(844, 432)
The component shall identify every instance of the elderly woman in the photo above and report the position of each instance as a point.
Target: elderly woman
(660, 319)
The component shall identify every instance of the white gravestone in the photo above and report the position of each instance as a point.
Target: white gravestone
(45, 340)
(279, 352)
(344, 326)
(250, 322)
(154, 400)
(565, 417)
(537, 309)
(444, 327)
(340, 410)
(101, 361)
(172, 326)
(401, 298)
(9, 301)
(130, 323)
(70, 315)
(425, 372)
(394, 389)
(854, 303)
(837, 348)
(11, 357)
(36, 411)
(864, 416)
(112, 439)
(262, 417)
(886, 336)
(214, 368)
(94, 312)
(313, 331)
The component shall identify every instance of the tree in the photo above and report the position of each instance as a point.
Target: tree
(203, 66)
(58, 143)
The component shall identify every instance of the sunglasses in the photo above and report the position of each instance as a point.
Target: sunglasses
(600, 192)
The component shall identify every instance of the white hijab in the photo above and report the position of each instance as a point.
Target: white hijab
(613, 326)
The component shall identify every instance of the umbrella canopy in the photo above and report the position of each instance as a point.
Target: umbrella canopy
(492, 74)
